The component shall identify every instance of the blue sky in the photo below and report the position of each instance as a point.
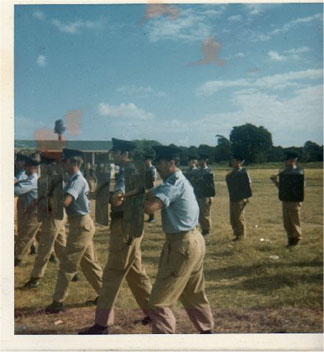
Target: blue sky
(175, 73)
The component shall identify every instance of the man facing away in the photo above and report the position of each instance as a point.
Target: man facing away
(79, 246)
(124, 258)
(180, 273)
(238, 183)
(292, 196)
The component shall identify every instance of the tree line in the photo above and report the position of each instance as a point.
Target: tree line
(252, 142)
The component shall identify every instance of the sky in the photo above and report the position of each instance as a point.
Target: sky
(173, 73)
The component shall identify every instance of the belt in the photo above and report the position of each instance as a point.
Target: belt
(117, 215)
(180, 235)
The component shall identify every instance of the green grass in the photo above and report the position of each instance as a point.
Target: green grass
(252, 286)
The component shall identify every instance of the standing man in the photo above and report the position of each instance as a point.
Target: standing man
(52, 235)
(204, 202)
(291, 193)
(125, 258)
(20, 175)
(79, 246)
(150, 178)
(26, 190)
(180, 273)
(238, 184)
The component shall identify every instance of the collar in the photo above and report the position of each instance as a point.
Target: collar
(74, 176)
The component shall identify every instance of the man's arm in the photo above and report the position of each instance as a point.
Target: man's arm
(67, 200)
(152, 205)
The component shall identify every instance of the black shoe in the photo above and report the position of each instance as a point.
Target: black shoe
(206, 332)
(33, 250)
(32, 283)
(146, 320)
(76, 277)
(53, 259)
(54, 308)
(17, 262)
(95, 330)
(92, 302)
(205, 233)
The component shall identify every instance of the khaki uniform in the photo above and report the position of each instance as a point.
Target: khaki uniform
(204, 214)
(291, 220)
(180, 276)
(79, 251)
(124, 263)
(52, 236)
(29, 226)
(237, 218)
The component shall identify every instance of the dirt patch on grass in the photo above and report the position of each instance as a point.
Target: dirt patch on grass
(285, 320)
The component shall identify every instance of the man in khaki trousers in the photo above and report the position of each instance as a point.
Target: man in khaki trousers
(79, 246)
(29, 225)
(205, 202)
(124, 259)
(238, 183)
(290, 205)
(180, 273)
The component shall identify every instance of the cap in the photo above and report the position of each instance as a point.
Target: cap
(166, 152)
(122, 145)
(149, 155)
(193, 156)
(291, 155)
(71, 153)
(203, 152)
(237, 156)
(49, 157)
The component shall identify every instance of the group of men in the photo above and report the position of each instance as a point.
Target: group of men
(182, 204)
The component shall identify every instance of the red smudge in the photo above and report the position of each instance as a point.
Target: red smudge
(73, 121)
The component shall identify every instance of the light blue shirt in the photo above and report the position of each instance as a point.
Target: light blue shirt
(180, 210)
(77, 187)
(120, 181)
(27, 189)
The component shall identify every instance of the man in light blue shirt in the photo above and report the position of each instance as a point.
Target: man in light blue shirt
(180, 273)
(26, 190)
(79, 246)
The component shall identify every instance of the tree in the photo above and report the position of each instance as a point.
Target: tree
(223, 150)
(59, 128)
(252, 142)
(313, 152)
(276, 154)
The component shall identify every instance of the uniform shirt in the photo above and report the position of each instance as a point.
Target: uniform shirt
(21, 175)
(192, 171)
(180, 210)
(27, 189)
(241, 169)
(150, 176)
(77, 187)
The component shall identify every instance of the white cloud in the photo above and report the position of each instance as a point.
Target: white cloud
(39, 15)
(76, 26)
(41, 61)
(303, 49)
(124, 111)
(236, 18)
(188, 26)
(140, 92)
(273, 55)
(278, 81)
(287, 27)
(297, 22)
(240, 54)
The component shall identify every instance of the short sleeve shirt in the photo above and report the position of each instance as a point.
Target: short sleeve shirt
(180, 210)
(27, 189)
(78, 188)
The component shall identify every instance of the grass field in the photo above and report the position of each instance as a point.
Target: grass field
(254, 286)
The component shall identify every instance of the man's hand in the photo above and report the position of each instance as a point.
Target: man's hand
(117, 199)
